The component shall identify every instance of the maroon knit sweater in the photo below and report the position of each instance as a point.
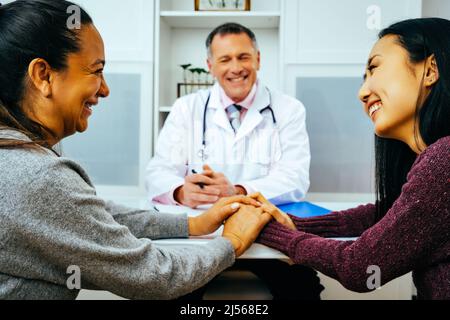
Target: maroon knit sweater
(413, 236)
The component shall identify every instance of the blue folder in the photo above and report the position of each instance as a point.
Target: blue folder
(304, 209)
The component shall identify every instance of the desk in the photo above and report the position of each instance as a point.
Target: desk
(256, 251)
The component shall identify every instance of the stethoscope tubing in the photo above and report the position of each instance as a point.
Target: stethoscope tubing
(202, 150)
(269, 107)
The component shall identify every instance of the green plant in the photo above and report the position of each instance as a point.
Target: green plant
(195, 71)
(204, 72)
(185, 67)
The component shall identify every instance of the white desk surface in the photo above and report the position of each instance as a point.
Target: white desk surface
(256, 251)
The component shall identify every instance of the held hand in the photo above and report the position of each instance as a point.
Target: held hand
(276, 213)
(243, 227)
(212, 219)
(197, 190)
(220, 182)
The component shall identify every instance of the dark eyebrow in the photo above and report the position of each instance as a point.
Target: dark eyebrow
(369, 62)
(99, 61)
(371, 58)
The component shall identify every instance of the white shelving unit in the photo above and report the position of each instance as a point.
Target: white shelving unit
(180, 34)
(183, 19)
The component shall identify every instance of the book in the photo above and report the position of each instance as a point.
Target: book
(303, 209)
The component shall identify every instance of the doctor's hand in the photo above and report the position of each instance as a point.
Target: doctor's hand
(221, 182)
(244, 226)
(211, 220)
(276, 213)
(197, 190)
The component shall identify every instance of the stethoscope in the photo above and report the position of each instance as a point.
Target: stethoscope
(202, 152)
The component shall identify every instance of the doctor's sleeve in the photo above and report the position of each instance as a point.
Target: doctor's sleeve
(288, 178)
(167, 169)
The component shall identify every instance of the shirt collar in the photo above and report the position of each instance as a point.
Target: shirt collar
(6, 133)
(246, 103)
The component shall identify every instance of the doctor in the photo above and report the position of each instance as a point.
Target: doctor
(237, 138)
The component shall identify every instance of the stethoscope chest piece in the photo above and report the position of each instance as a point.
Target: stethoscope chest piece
(202, 154)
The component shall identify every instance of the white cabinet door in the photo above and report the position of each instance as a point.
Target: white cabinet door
(329, 31)
(126, 27)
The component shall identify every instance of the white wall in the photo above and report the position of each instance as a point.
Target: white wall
(436, 8)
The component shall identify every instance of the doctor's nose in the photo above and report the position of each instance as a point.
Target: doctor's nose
(236, 67)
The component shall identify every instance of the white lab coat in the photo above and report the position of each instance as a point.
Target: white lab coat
(261, 156)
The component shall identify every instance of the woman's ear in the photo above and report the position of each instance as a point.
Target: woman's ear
(39, 72)
(431, 71)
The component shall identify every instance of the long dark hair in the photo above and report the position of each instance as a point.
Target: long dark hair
(31, 29)
(394, 159)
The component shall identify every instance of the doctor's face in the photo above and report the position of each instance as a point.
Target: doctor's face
(235, 63)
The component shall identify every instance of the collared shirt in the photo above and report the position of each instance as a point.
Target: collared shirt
(245, 104)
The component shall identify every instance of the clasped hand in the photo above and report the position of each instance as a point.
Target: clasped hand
(204, 188)
(243, 217)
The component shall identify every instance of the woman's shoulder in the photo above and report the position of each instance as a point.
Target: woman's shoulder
(435, 160)
(25, 166)
(438, 151)
(441, 145)
(15, 161)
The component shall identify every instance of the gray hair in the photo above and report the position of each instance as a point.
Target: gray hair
(230, 28)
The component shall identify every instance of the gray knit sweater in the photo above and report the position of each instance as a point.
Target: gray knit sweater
(51, 218)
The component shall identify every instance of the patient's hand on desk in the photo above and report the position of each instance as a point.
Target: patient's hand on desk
(211, 220)
(276, 213)
(244, 226)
